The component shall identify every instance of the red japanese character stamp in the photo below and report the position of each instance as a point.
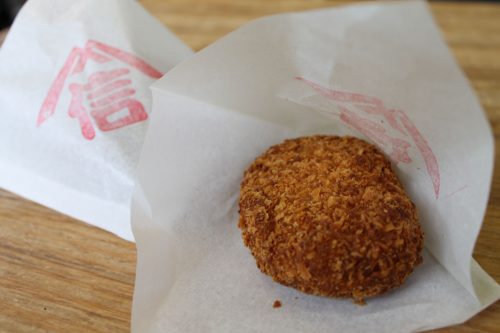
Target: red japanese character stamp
(107, 99)
(354, 111)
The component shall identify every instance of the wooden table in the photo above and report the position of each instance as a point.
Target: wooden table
(61, 275)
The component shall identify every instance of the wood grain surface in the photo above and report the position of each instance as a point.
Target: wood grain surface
(3, 33)
(61, 275)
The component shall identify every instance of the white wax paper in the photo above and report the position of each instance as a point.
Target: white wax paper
(79, 159)
(380, 71)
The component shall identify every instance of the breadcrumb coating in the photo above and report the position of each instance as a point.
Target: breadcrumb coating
(328, 216)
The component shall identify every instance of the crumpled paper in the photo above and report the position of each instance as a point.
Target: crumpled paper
(379, 71)
(75, 104)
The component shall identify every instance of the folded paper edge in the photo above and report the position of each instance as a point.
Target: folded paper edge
(106, 215)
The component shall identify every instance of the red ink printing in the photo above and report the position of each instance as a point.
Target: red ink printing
(351, 103)
(108, 92)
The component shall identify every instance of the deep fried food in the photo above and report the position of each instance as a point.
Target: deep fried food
(328, 216)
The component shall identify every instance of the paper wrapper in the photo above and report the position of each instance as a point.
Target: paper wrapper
(75, 103)
(378, 71)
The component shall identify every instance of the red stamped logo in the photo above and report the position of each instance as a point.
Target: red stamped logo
(109, 95)
(354, 109)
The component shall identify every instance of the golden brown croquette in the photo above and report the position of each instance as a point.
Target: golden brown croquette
(328, 216)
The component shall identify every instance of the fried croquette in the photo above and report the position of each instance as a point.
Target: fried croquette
(328, 216)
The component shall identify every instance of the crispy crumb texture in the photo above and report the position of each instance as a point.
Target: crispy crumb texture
(328, 216)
